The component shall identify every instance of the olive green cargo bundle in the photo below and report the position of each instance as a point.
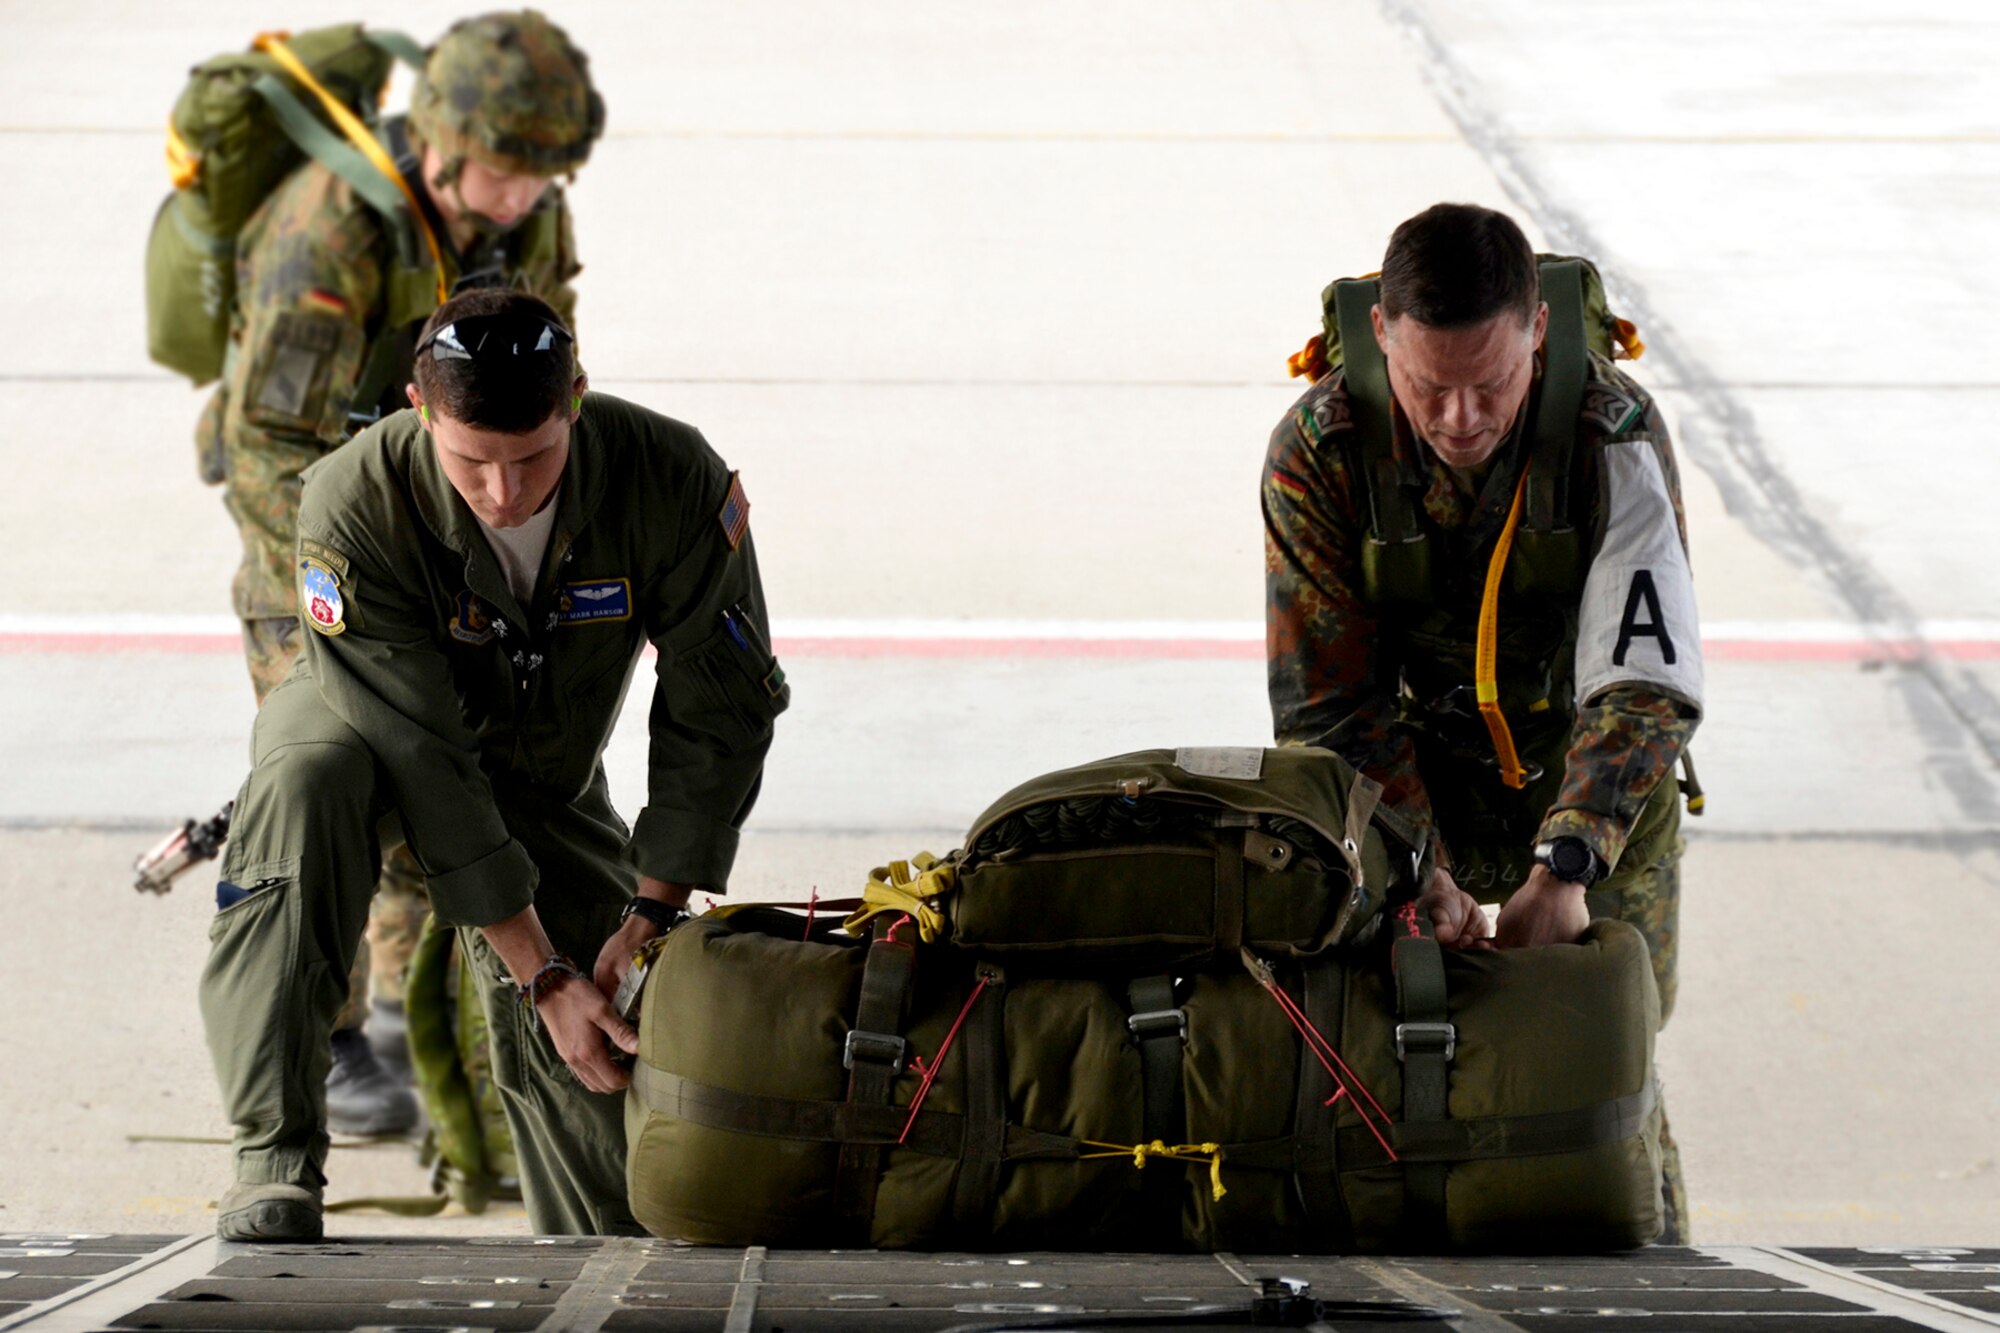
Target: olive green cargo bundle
(240, 126)
(1286, 1080)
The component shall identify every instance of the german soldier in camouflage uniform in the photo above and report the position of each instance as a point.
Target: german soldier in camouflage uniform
(330, 296)
(1376, 566)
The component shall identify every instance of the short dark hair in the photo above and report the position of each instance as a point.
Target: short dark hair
(511, 389)
(1454, 265)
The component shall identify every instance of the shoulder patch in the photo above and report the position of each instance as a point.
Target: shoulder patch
(735, 513)
(320, 600)
(470, 621)
(1326, 410)
(334, 561)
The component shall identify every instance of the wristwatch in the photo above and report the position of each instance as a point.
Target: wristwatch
(663, 917)
(1570, 859)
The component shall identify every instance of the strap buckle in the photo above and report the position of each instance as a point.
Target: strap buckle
(1426, 1039)
(1155, 1023)
(884, 1047)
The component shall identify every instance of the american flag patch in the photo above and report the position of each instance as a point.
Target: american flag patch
(735, 515)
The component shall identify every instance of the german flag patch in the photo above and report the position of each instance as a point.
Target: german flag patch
(735, 515)
(320, 299)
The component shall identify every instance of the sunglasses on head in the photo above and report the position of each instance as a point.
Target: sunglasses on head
(480, 337)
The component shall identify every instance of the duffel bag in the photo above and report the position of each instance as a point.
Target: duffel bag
(797, 1086)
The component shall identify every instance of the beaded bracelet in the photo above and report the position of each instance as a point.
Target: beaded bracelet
(552, 974)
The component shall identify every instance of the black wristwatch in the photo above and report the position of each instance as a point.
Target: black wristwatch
(663, 917)
(1570, 859)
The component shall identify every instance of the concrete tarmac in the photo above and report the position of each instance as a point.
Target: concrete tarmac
(991, 306)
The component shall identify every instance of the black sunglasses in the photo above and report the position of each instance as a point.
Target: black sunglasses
(478, 337)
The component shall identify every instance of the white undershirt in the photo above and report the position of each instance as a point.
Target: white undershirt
(520, 550)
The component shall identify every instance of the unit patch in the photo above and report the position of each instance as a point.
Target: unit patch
(735, 515)
(470, 621)
(319, 598)
(1609, 409)
(594, 599)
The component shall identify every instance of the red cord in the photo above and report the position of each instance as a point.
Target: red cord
(1342, 1076)
(811, 907)
(901, 921)
(937, 1061)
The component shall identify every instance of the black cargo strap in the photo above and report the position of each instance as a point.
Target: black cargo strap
(1324, 986)
(1445, 1141)
(874, 1053)
(1425, 1043)
(935, 1133)
(1565, 365)
(987, 1132)
(1159, 1026)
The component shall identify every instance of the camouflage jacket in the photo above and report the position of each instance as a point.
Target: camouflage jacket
(1338, 665)
(478, 706)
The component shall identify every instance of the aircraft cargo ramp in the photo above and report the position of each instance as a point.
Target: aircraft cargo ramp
(400, 1285)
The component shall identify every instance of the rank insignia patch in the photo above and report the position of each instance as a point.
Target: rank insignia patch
(469, 621)
(593, 600)
(319, 598)
(735, 515)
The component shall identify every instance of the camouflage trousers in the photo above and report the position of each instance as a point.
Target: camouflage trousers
(396, 916)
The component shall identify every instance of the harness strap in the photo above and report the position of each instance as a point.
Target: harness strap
(1565, 365)
(315, 140)
(1314, 1160)
(934, 1133)
(1425, 1043)
(987, 1133)
(874, 1057)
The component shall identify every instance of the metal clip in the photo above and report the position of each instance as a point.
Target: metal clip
(1158, 1023)
(1429, 1038)
(879, 1046)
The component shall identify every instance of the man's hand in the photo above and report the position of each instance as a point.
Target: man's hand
(1545, 910)
(579, 1020)
(614, 960)
(1455, 916)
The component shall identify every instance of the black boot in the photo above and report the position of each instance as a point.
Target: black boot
(363, 1098)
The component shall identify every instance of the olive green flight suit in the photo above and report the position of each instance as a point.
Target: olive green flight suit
(330, 296)
(429, 707)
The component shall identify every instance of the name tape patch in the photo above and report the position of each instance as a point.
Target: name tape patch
(594, 600)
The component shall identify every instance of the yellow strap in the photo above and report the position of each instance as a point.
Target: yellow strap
(273, 44)
(183, 162)
(1628, 340)
(1486, 665)
(1180, 1152)
(912, 887)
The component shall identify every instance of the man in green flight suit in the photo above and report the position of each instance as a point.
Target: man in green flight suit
(477, 579)
(330, 296)
(1472, 471)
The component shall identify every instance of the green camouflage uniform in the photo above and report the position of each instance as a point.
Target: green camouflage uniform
(331, 293)
(1344, 671)
(433, 707)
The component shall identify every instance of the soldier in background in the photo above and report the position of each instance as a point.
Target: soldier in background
(1378, 554)
(330, 296)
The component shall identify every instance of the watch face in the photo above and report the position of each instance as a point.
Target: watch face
(1570, 860)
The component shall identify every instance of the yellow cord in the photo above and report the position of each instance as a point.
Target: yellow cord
(1486, 664)
(914, 886)
(1183, 1152)
(183, 162)
(273, 44)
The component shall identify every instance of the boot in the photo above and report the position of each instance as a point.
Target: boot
(269, 1213)
(388, 1034)
(362, 1098)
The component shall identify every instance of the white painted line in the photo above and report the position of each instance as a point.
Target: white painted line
(1159, 640)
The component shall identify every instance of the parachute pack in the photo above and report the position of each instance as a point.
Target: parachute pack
(1174, 999)
(244, 122)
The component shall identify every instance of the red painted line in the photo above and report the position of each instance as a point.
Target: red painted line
(972, 649)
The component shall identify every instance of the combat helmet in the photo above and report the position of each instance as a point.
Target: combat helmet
(510, 90)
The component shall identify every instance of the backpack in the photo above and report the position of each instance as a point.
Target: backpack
(241, 125)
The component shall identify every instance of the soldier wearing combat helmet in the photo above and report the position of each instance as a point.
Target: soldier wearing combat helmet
(1479, 590)
(331, 294)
